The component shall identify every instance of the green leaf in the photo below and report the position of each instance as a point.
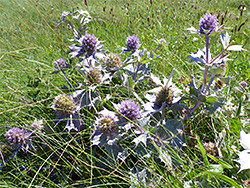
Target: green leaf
(225, 79)
(202, 98)
(220, 161)
(223, 177)
(215, 168)
(235, 126)
(203, 152)
(211, 99)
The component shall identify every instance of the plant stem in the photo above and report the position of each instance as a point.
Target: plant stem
(205, 73)
(196, 106)
(207, 62)
(136, 71)
(222, 52)
(209, 84)
(66, 79)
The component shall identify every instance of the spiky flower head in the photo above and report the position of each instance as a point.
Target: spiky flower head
(106, 123)
(164, 95)
(60, 64)
(132, 43)
(130, 110)
(94, 76)
(208, 24)
(16, 136)
(113, 62)
(89, 44)
(64, 105)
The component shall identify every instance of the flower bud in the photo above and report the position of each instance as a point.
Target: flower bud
(243, 84)
(113, 62)
(208, 23)
(132, 43)
(60, 64)
(16, 136)
(94, 76)
(164, 95)
(106, 123)
(64, 105)
(89, 43)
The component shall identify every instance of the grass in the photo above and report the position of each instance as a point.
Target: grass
(31, 41)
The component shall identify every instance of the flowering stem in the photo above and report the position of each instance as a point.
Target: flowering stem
(136, 71)
(205, 74)
(207, 62)
(2, 158)
(66, 79)
(209, 84)
(196, 106)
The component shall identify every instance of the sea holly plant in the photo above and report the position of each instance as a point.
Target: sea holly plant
(214, 68)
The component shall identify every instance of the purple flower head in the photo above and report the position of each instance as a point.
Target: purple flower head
(106, 124)
(243, 84)
(16, 136)
(208, 23)
(162, 41)
(132, 43)
(64, 105)
(130, 110)
(89, 44)
(60, 64)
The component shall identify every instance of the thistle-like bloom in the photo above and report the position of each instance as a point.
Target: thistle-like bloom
(208, 24)
(106, 124)
(16, 136)
(113, 62)
(130, 110)
(89, 44)
(94, 76)
(164, 95)
(106, 128)
(60, 64)
(64, 105)
(132, 43)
